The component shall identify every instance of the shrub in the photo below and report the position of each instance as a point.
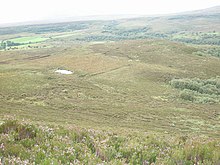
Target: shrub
(16, 150)
(197, 90)
(187, 95)
(20, 131)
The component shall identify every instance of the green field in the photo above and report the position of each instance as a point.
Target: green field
(140, 93)
(27, 40)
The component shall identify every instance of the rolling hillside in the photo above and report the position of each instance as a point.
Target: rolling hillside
(140, 91)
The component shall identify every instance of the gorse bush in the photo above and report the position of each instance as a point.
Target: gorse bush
(197, 90)
(61, 146)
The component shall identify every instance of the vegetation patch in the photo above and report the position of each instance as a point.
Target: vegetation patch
(200, 38)
(27, 40)
(197, 90)
(209, 52)
(58, 145)
(19, 131)
(15, 43)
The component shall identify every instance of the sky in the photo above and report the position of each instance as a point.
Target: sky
(12, 11)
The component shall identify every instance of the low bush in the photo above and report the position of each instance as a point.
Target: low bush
(197, 90)
(20, 131)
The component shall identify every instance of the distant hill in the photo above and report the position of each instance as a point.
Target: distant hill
(195, 27)
(204, 20)
(71, 19)
(211, 10)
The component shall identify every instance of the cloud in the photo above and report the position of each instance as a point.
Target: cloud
(31, 10)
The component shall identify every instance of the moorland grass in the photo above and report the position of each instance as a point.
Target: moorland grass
(115, 86)
(119, 98)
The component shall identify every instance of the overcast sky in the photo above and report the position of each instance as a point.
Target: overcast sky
(31, 10)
